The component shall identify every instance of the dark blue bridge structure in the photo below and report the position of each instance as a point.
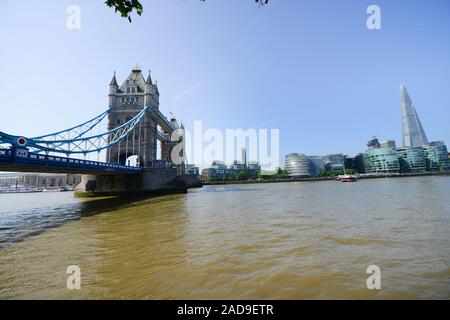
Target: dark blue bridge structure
(57, 152)
(19, 159)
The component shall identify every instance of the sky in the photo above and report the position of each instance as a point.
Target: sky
(310, 68)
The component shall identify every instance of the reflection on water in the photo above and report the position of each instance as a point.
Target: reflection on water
(285, 240)
(15, 226)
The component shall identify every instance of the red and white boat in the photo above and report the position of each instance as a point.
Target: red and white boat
(348, 178)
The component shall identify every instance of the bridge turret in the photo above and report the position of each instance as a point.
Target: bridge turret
(149, 92)
(113, 84)
(113, 90)
(149, 81)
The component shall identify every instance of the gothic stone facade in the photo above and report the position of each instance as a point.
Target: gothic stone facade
(125, 102)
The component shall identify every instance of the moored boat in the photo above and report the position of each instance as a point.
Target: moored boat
(348, 178)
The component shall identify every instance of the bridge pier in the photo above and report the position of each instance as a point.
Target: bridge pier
(151, 181)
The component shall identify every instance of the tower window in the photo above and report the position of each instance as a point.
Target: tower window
(133, 89)
(118, 121)
(128, 89)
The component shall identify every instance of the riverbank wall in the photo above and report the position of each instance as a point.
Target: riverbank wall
(309, 179)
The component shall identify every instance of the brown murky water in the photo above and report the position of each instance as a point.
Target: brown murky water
(290, 240)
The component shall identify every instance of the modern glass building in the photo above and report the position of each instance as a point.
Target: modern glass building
(411, 159)
(299, 165)
(381, 160)
(355, 163)
(334, 162)
(413, 133)
(318, 163)
(436, 156)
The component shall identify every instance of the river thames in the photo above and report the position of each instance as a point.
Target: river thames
(299, 240)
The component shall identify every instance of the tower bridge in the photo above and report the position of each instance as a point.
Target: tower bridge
(134, 126)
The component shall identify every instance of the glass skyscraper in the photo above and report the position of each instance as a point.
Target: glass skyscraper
(417, 153)
(413, 133)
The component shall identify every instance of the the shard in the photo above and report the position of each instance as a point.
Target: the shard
(413, 133)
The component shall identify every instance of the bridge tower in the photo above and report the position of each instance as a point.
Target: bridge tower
(168, 145)
(125, 102)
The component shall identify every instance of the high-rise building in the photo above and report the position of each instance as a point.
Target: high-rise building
(413, 133)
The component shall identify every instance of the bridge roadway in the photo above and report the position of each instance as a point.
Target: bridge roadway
(20, 160)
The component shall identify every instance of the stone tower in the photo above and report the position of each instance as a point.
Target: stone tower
(125, 102)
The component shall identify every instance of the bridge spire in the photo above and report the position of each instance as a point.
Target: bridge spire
(149, 78)
(114, 80)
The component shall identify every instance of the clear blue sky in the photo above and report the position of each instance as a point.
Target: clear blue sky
(310, 68)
